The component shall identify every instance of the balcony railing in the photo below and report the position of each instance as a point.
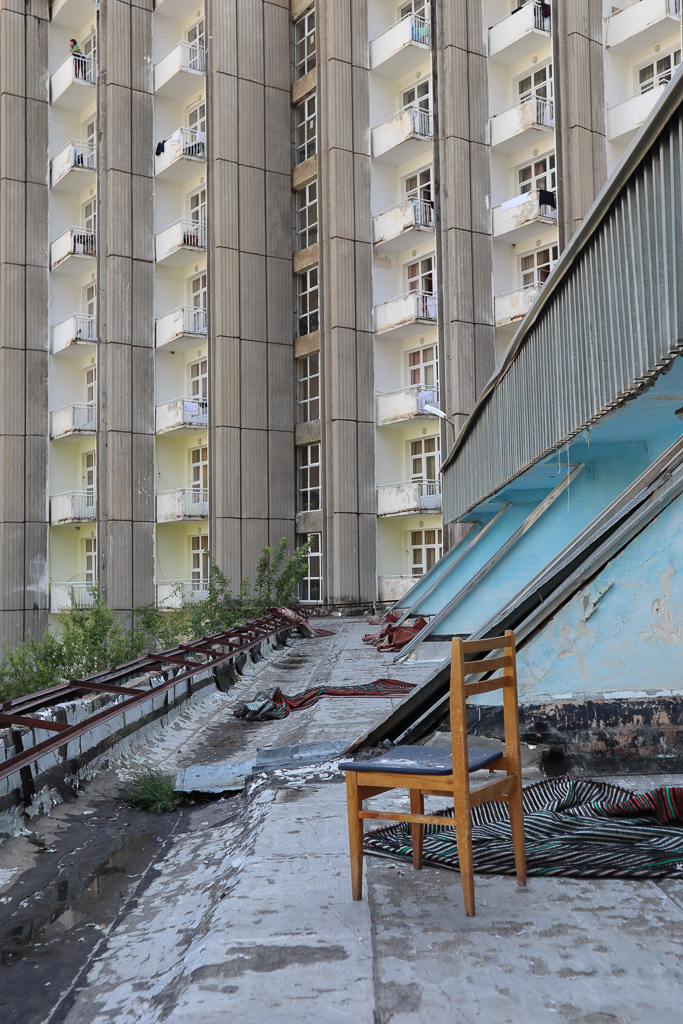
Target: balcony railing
(406, 133)
(405, 403)
(179, 153)
(175, 75)
(397, 228)
(181, 322)
(517, 35)
(182, 413)
(79, 242)
(76, 156)
(78, 418)
(398, 316)
(515, 304)
(625, 118)
(73, 506)
(409, 496)
(400, 49)
(183, 234)
(521, 124)
(61, 595)
(71, 81)
(638, 25)
(519, 218)
(182, 503)
(77, 329)
(180, 593)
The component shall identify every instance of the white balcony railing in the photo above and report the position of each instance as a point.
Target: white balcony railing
(403, 404)
(182, 503)
(625, 118)
(178, 158)
(175, 75)
(180, 322)
(179, 593)
(79, 418)
(409, 496)
(182, 413)
(71, 83)
(515, 304)
(634, 27)
(75, 156)
(73, 506)
(396, 229)
(517, 36)
(183, 234)
(398, 315)
(400, 49)
(404, 134)
(62, 594)
(521, 124)
(79, 242)
(77, 329)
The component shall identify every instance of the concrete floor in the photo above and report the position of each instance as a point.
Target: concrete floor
(239, 910)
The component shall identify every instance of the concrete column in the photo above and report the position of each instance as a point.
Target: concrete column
(23, 321)
(250, 243)
(579, 111)
(462, 204)
(125, 257)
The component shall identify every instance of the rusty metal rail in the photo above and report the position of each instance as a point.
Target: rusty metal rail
(174, 665)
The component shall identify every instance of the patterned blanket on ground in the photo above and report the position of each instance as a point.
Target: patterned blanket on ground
(576, 828)
(270, 704)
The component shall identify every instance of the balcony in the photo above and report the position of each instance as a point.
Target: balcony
(178, 244)
(392, 588)
(73, 421)
(520, 34)
(179, 75)
(402, 316)
(73, 169)
(402, 226)
(182, 328)
(182, 414)
(73, 252)
(625, 118)
(72, 87)
(72, 336)
(73, 13)
(73, 507)
(172, 594)
(403, 136)
(409, 497)
(183, 503)
(61, 595)
(401, 49)
(515, 304)
(183, 156)
(524, 216)
(641, 24)
(404, 404)
(178, 10)
(524, 124)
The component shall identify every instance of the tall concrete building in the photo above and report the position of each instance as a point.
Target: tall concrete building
(245, 248)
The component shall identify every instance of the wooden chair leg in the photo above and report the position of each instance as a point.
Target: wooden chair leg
(463, 831)
(353, 806)
(517, 828)
(417, 806)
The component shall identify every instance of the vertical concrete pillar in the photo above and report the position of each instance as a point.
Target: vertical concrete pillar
(125, 257)
(348, 433)
(579, 111)
(462, 173)
(23, 321)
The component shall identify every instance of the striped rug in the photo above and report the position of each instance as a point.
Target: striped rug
(575, 828)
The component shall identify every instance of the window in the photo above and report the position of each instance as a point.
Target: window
(658, 73)
(424, 459)
(91, 385)
(539, 175)
(426, 550)
(90, 138)
(89, 478)
(307, 216)
(418, 95)
(90, 559)
(311, 586)
(196, 39)
(89, 47)
(537, 265)
(423, 367)
(198, 291)
(307, 301)
(90, 299)
(538, 84)
(199, 562)
(304, 45)
(308, 388)
(421, 276)
(198, 206)
(196, 117)
(413, 7)
(305, 127)
(419, 186)
(199, 468)
(308, 478)
(199, 379)
(90, 215)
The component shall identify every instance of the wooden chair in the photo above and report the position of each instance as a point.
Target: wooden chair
(432, 771)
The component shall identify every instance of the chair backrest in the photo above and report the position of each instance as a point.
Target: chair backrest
(504, 667)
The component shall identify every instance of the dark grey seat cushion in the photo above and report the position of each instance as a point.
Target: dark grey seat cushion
(420, 761)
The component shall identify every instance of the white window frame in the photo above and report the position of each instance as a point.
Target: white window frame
(416, 282)
(659, 77)
(422, 566)
(313, 580)
(553, 251)
(308, 483)
(91, 384)
(423, 95)
(419, 458)
(307, 302)
(89, 554)
(198, 371)
(197, 212)
(308, 387)
(199, 561)
(199, 292)
(535, 89)
(550, 174)
(304, 44)
(307, 215)
(418, 368)
(305, 129)
(199, 468)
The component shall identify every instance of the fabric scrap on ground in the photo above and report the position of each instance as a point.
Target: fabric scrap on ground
(274, 704)
(393, 637)
(574, 828)
(324, 632)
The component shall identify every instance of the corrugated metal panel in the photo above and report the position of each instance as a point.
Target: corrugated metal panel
(606, 323)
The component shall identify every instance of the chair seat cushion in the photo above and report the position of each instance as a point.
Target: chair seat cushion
(420, 761)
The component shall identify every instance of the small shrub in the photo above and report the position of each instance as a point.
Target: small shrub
(152, 790)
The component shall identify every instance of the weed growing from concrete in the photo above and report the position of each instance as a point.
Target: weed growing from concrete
(152, 790)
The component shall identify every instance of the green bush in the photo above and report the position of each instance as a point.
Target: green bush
(152, 790)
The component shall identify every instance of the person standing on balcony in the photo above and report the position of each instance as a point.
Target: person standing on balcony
(79, 60)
